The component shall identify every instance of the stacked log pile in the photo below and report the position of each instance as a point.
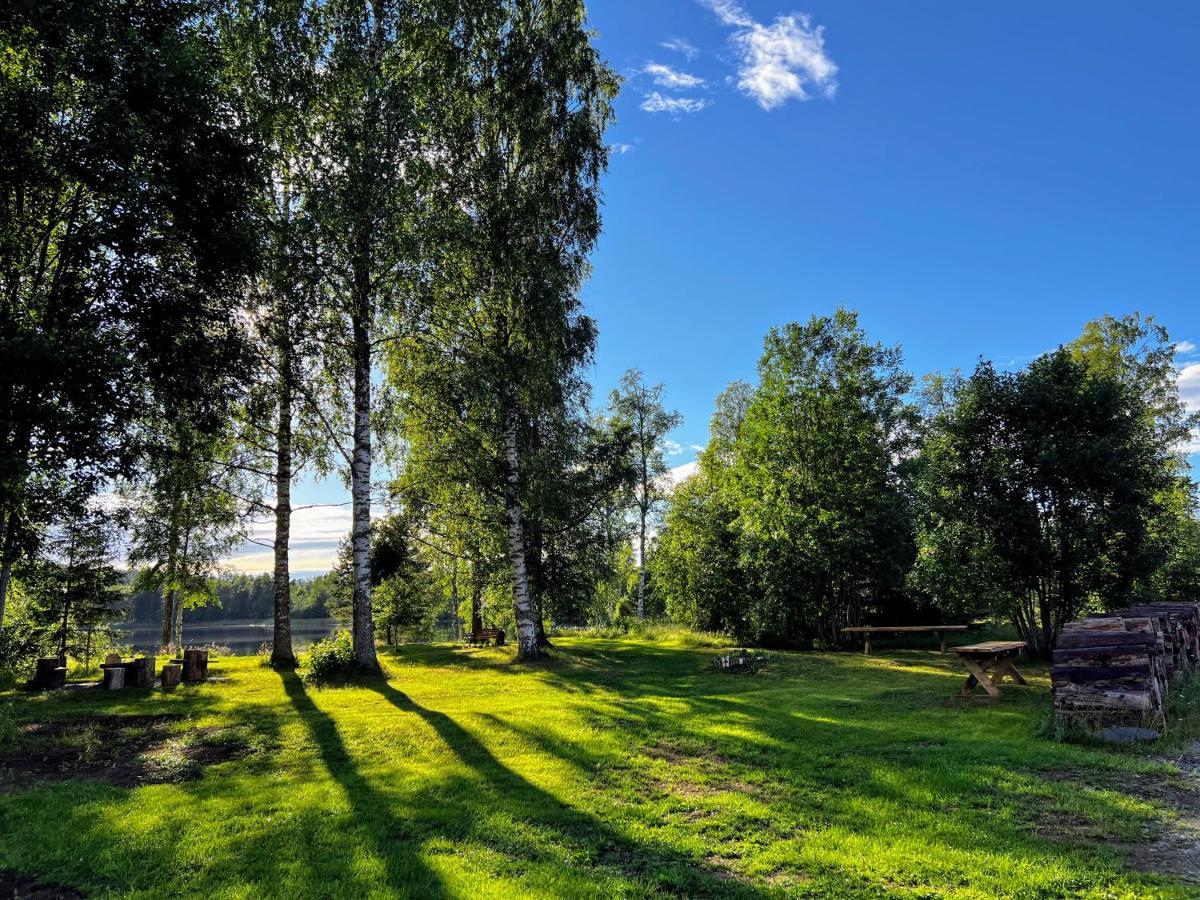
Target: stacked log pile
(1117, 668)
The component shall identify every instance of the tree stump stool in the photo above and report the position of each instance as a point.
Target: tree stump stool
(195, 665)
(170, 676)
(113, 659)
(50, 674)
(140, 672)
(114, 678)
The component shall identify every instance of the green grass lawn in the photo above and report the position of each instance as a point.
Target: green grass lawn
(620, 768)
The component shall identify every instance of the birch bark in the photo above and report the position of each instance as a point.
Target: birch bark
(527, 645)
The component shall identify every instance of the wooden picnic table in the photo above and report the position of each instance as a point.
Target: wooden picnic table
(867, 630)
(990, 663)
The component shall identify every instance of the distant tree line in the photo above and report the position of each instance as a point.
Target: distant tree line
(241, 598)
(834, 493)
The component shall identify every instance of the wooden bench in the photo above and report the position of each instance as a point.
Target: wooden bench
(484, 636)
(867, 630)
(987, 664)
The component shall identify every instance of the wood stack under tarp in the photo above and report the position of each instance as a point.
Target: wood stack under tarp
(1117, 668)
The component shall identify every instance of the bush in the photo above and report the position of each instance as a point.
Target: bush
(330, 660)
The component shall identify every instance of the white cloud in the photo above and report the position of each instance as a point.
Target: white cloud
(654, 102)
(1184, 348)
(1189, 386)
(313, 544)
(679, 45)
(620, 149)
(299, 561)
(783, 61)
(730, 13)
(1189, 393)
(680, 474)
(672, 448)
(665, 76)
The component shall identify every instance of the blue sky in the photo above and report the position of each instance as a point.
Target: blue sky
(976, 179)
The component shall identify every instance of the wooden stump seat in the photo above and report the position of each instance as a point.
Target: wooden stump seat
(171, 675)
(50, 674)
(195, 665)
(113, 678)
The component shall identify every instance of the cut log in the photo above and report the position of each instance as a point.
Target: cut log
(1140, 673)
(1078, 696)
(113, 659)
(140, 672)
(1070, 640)
(114, 678)
(195, 665)
(171, 675)
(50, 674)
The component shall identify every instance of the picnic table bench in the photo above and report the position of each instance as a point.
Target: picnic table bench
(988, 664)
(867, 630)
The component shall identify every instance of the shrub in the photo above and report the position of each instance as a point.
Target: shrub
(330, 660)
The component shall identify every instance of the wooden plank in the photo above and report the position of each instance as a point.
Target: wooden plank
(991, 647)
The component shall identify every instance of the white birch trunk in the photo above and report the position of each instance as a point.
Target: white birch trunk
(363, 632)
(282, 655)
(168, 621)
(641, 587)
(527, 646)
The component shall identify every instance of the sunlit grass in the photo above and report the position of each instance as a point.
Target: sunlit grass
(624, 767)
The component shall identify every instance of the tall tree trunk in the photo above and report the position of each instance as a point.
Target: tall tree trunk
(282, 655)
(5, 564)
(476, 600)
(527, 645)
(534, 550)
(360, 484)
(177, 631)
(641, 585)
(5, 578)
(455, 623)
(168, 620)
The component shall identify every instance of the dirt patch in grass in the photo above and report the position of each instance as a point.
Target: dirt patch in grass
(1172, 849)
(122, 750)
(14, 886)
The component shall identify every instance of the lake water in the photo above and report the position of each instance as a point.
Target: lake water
(242, 638)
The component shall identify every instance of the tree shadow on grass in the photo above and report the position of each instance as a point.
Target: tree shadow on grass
(386, 835)
(655, 867)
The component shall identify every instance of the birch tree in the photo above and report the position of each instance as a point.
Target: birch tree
(274, 48)
(366, 192)
(515, 212)
(640, 407)
(187, 514)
